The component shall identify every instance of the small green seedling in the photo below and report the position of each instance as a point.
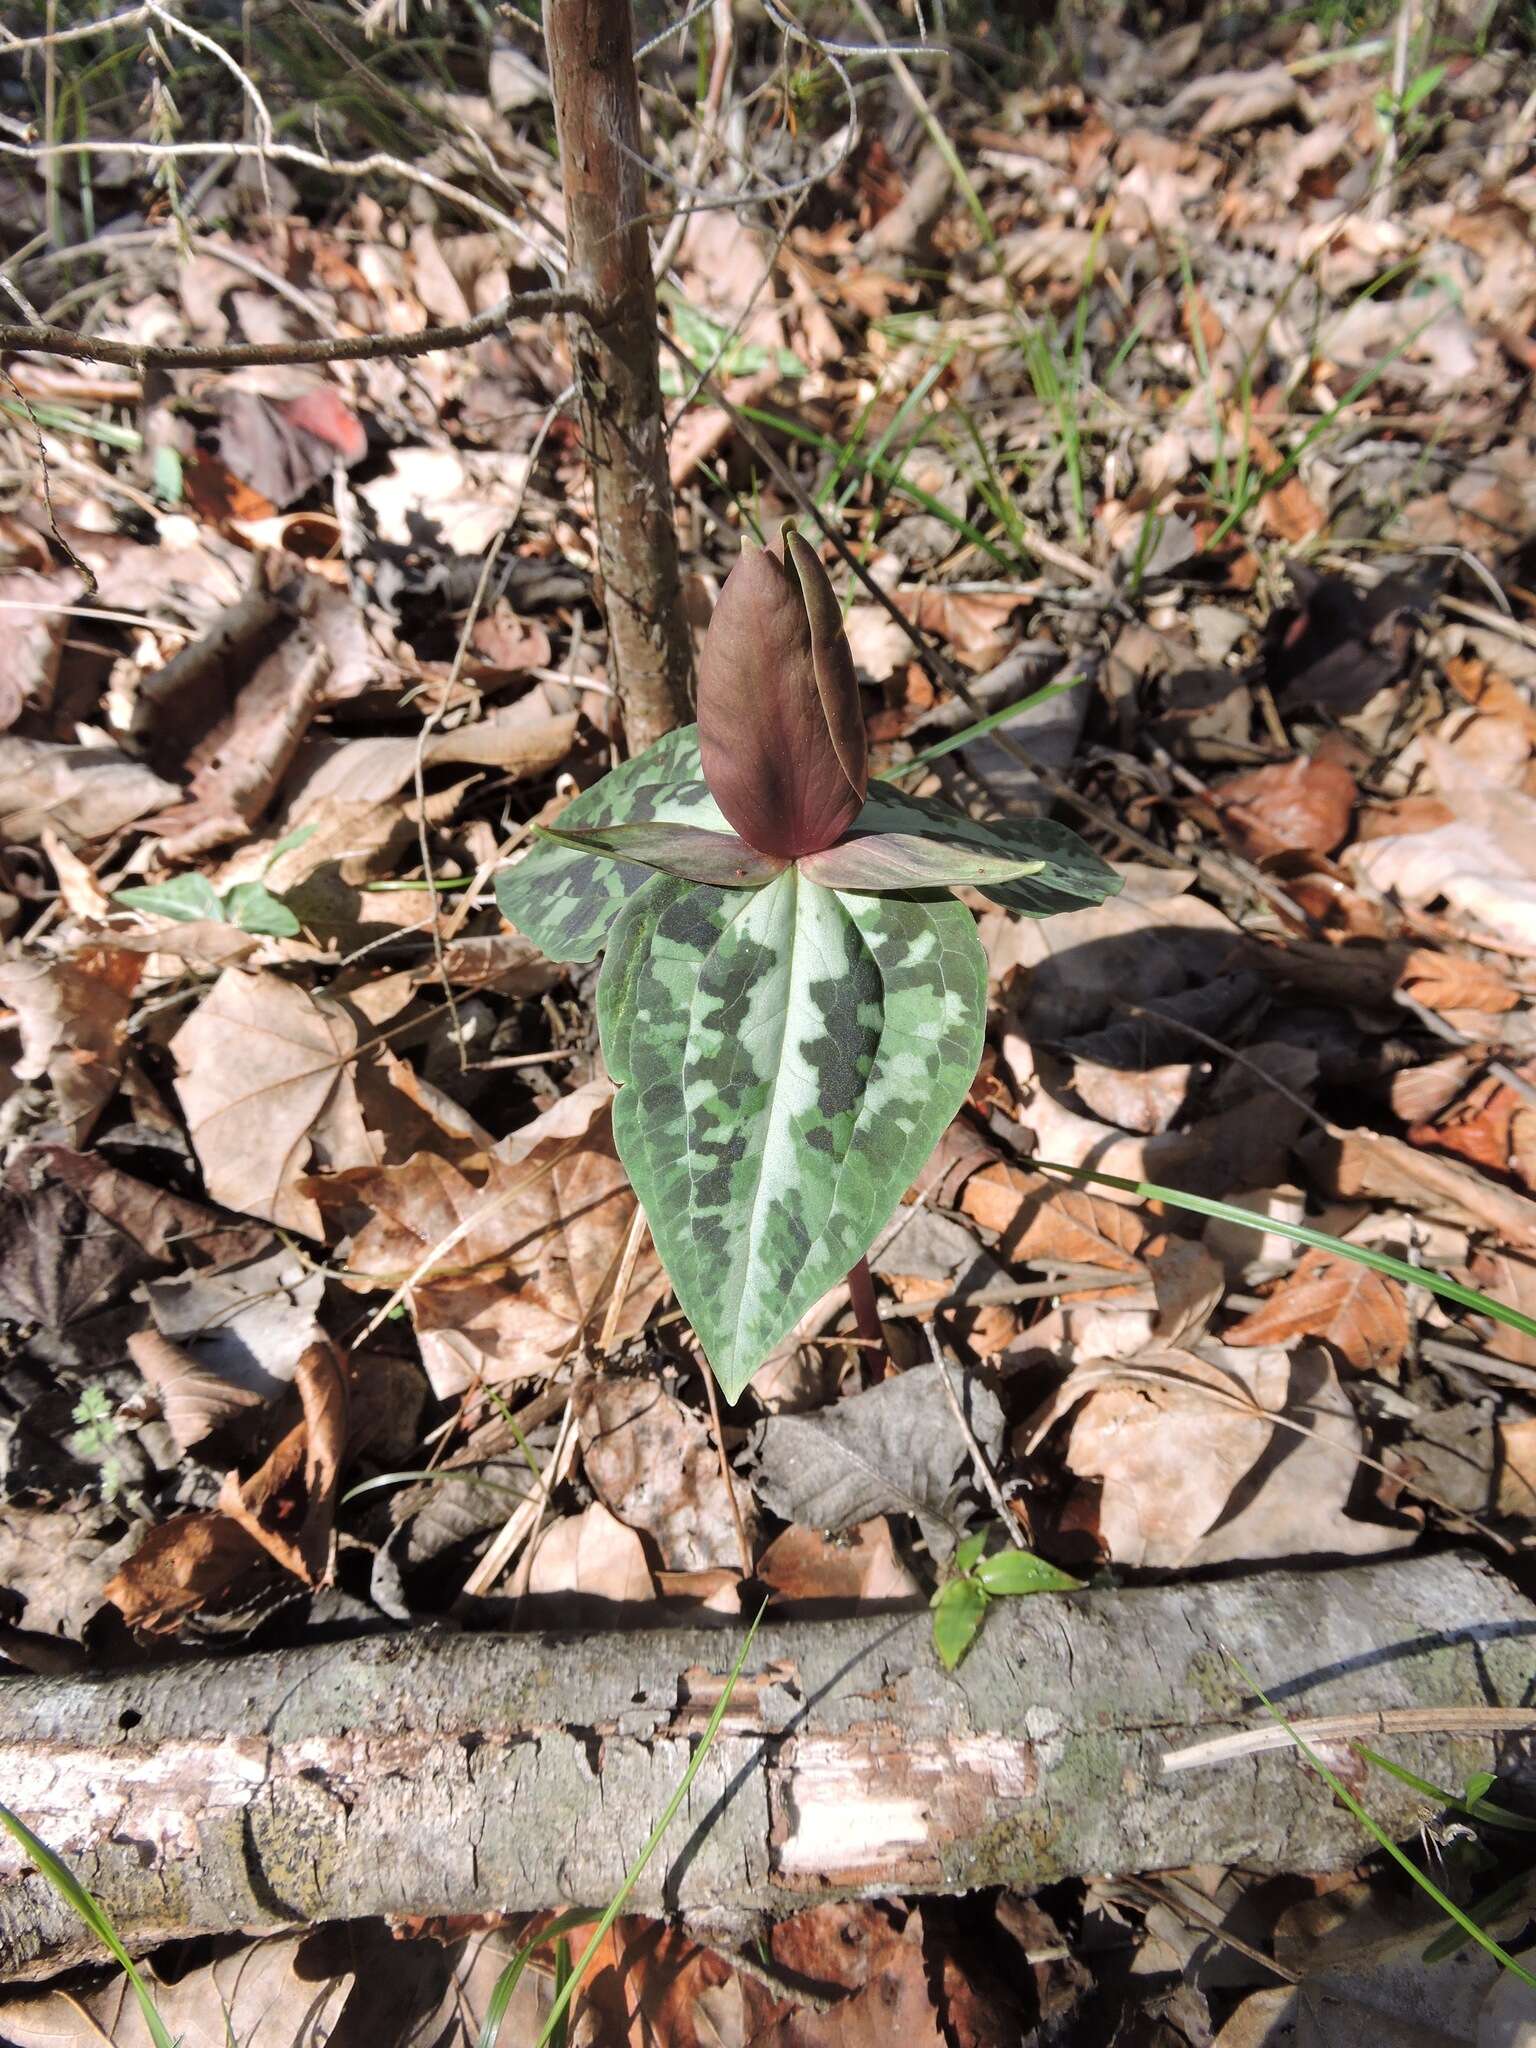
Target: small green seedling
(248, 906)
(791, 1000)
(960, 1605)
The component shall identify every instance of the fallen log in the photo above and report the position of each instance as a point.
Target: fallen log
(430, 1771)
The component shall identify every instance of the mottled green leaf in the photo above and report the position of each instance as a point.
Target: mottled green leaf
(687, 850)
(967, 1552)
(958, 1611)
(253, 908)
(566, 901)
(189, 899)
(1071, 873)
(911, 860)
(1020, 1571)
(789, 1058)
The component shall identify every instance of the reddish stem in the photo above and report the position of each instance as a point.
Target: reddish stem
(861, 1290)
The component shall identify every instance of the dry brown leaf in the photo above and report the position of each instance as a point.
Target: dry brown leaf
(1194, 1470)
(1513, 1281)
(185, 1566)
(1234, 99)
(73, 1017)
(504, 645)
(82, 894)
(193, 1400)
(816, 1576)
(1146, 1099)
(1245, 1140)
(1482, 865)
(592, 1555)
(1188, 1282)
(1479, 1127)
(1366, 1163)
(276, 1993)
(1482, 684)
(1038, 1220)
(1451, 981)
(513, 1265)
(1154, 939)
(1517, 1470)
(1305, 804)
(288, 1505)
(264, 1081)
(236, 770)
(1362, 1314)
(54, 1567)
(1288, 509)
(893, 2004)
(85, 793)
(1168, 1457)
(652, 1461)
(371, 771)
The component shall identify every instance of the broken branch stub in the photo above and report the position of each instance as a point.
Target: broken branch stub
(442, 1773)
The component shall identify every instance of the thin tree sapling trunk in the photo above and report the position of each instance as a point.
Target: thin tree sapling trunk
(618, 378)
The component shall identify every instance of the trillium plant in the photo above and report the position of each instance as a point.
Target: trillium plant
(791, 1004)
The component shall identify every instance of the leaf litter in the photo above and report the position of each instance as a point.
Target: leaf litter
(319, 1268)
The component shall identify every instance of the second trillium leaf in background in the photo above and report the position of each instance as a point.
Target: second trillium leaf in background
(690, 851)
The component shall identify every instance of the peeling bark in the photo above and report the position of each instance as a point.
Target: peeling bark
(435, 1772)
(618, 381)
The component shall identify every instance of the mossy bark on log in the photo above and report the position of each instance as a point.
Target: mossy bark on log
(435, 1772)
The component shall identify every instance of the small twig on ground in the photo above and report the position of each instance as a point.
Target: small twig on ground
(621, 1283)
(742, 1545)
(526, 1519)
(979, 1459)
(1173, 1897)
(1225, 1749)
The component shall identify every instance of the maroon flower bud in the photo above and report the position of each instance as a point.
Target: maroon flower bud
(781, 733)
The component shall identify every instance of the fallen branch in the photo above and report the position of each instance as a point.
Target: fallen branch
(354, 348)
(436, 1772)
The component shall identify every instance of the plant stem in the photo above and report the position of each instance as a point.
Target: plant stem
(861, 1289)
(614, 355)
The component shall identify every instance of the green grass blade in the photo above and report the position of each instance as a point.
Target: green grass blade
(615, 1905)
(1491, 1906)
(87, 1909)
(511, 1976)
(983, 725)
(1302, 1233)
(889, 473)
(1475, 1809)
(1345, 1797)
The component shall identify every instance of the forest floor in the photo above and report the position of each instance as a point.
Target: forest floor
(1185, 364)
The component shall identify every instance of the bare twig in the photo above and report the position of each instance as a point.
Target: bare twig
(1223, 1749)
(59, 341)
(979, 1458)
(709, 121)
(743, 1547)
(378, 163)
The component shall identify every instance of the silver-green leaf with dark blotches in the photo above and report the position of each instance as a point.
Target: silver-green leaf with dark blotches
(788, 1058)
(1070, 873)
(566, 901)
